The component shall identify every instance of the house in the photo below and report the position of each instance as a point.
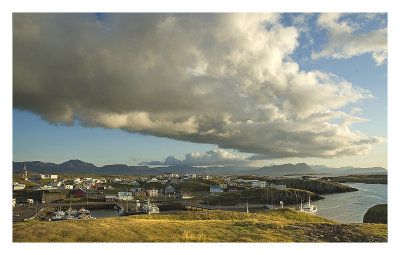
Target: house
(100, 190)
(184, 195)
(18, 186)
(78, 193)
(174, 181)
(262, 184)
(169, 189)
(154, 179)
(48, 197)
(125, 196)
(259, 184)
(68, 186)
(232, 187)
(111, 198)
(206, 177)
(254, 184)
(51, 176)
(135, 183)
(193, 176)
(170, 175)
(140, 193)
(223, 185)
(136, 189)
(215, 189)
(280, 187)
(152, 192)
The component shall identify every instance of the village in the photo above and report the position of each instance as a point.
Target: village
(52, 188)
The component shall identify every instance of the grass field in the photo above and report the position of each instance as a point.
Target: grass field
(282, 225)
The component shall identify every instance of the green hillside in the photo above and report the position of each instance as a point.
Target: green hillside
(282, 225)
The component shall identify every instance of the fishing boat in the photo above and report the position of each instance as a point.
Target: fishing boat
(84, 214)
(71, 212)
(150, 208)
(58, 215)
(308, 208)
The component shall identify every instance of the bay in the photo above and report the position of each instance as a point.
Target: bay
(350, 207)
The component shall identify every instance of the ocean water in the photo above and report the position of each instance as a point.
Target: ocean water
(350, 207)
(104, 213)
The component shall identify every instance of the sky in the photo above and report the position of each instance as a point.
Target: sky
(201, 89)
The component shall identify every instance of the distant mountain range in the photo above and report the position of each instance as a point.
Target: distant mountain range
(79, 167)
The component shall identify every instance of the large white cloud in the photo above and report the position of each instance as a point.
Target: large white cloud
(345, 40)
(223, 79)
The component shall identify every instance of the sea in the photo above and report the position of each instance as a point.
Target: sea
(350, 207)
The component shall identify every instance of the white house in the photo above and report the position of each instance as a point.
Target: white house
(223, 185)
(215, 189)
(254, 184)
(154, 179)
(19, 186)
(68, 186)
(111, 198)
(193, 176)
(125, 196)
(259, 184)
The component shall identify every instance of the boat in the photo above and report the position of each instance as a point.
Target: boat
(58, 215)
(71, 212)
(150, 208)
(308, 208)
(84, 214)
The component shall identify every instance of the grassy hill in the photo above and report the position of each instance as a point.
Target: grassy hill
(282, 225)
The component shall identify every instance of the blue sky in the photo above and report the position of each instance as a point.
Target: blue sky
(245, 90)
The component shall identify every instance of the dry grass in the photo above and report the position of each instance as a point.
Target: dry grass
(212, 226)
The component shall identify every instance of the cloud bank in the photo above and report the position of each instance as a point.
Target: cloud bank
(216, 157)
(345, 40)
(223, 79)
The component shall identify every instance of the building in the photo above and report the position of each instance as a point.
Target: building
(223, 185)
(262, 184)
(152, 192)
(169, 189)
(232, 187)
(111, 198)
(170, 175)
(185, 195)
(48, 197)
(280, 187)
(215, 189)
(254, 184)
(259, 184)
(18, 186)
(193, 176)
(125, 196)
(100, 190)
(77, 193)
(140, 193)
(68, 186)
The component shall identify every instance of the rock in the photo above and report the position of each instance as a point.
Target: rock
(376, 214)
